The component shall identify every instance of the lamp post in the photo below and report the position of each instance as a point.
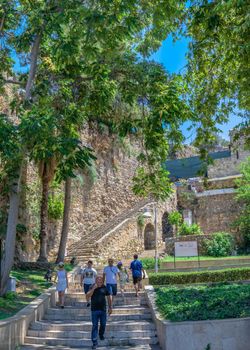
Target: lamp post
(148, 215)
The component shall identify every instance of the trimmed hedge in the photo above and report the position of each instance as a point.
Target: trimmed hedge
(166, 278)
(195, 303)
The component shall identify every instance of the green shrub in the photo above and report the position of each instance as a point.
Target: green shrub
(166, 278)
(10, 296)
(196, 303)
(175, 218)
(221, 244)
(149, 263)
(21, 229)
(186, 229)
(55, 209)
(140, 220)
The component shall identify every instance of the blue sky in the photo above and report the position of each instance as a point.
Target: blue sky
(173, 56)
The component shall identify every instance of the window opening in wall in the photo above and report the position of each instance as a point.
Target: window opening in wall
(149, 237)
(167, 228)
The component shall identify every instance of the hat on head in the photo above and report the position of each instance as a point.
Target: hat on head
(61, 264)
(119, 263)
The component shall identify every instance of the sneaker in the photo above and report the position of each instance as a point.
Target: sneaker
(101, 337)
(94, 346)
(88, 304)
(62, 306)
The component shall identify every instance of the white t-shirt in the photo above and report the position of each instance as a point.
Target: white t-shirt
(111, 274)
(89, 275)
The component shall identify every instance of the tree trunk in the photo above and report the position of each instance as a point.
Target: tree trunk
(33, 66)
(65, 226)
(44, 220)
(9, 247)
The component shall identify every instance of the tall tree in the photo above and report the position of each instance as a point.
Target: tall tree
(10, 157)
(9, 20)
(218, 62)
(65, 224)
(80, 59)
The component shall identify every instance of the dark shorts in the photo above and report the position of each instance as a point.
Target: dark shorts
(112, 288)
(137, 279)
(86, 287)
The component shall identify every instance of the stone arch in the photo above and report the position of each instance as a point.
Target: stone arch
(167, 228)
(149, 237)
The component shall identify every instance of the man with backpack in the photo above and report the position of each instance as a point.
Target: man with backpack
(138, 273)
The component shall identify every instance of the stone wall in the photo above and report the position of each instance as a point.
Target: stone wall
(224, 167)
(230, 166)
(105, 192)
(223, 182)
(99, 195)
(122, 244)
(215, 208)
(129, 237)
(216, 212)
(13, 330)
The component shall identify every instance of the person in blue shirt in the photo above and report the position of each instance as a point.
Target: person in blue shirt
(138, 273)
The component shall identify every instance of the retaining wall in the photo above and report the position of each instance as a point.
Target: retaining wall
(228, 334)
(14, 329)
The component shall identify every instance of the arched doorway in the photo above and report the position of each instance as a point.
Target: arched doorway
(167, 228)
(149, 237)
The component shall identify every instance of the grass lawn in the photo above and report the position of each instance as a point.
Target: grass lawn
(30, 284)
(149, 263)
(171, 258)
(204, 302)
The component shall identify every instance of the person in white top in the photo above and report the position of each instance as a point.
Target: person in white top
(110, 274)
(88, 277)
(62, 283)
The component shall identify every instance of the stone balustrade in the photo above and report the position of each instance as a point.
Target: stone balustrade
(14, 329)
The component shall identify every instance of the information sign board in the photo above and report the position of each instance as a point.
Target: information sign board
(186, 248)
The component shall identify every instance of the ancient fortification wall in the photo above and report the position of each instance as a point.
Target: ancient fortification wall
(105, 191)
(230, 166)
(100, 195)
(213, 205)
(216, 212)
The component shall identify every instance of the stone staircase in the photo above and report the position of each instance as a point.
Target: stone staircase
(86, 248)
(129, 327)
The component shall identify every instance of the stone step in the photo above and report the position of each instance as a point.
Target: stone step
(117, 302)
(72, 342)
(75, 286)
(83, 258)
(113, 317)
(87, 326)
(83, 334)
(47, 347)
(117, 299)
(80, 290)
(83, 248)
(71, 311)
(130, 294)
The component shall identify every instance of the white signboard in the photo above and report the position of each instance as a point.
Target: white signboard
(186, 248)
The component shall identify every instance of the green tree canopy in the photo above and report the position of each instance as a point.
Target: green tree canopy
(218, 61)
